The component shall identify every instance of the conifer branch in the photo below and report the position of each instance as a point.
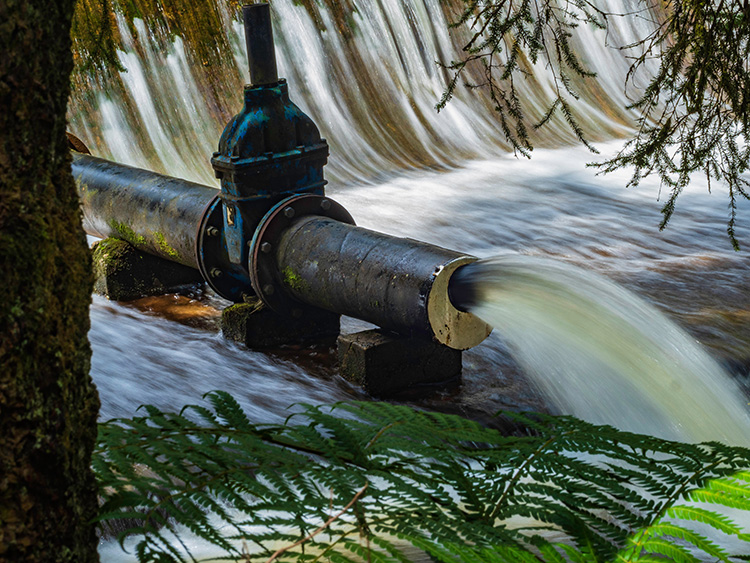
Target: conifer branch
(692, 116)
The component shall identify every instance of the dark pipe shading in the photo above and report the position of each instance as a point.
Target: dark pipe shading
(462, 287)
(155, 213)
(360, 273)
(259, 40)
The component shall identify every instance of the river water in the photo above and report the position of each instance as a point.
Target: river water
(167, 351)
(369, 79)
(399, 167)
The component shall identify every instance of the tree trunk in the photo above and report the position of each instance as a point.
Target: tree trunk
(48, 403)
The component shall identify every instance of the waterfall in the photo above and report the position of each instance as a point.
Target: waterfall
(367, 73)
(368, 76)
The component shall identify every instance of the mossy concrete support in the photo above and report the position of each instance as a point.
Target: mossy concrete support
(385, 364)
(257, 326)
(123, 272)
(48, 402)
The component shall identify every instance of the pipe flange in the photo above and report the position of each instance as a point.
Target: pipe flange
(228, 280)
(263, 268)
(450, 326)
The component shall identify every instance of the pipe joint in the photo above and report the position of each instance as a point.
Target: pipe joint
(263, 264)
(269, 150)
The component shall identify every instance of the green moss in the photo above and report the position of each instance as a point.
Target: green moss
(293, 280)
(128, 234)
(124, 272)
(110, 255)
(164, 245)
(85, 192)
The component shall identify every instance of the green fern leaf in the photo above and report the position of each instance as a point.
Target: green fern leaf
(697, 514)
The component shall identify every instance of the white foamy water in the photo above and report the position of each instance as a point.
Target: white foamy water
(603, 354)
(370, 84)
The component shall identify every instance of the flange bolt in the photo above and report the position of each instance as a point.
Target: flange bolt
(289, 212)
(266, 247)
(215, 272)
(268, 289)
(212, 232)
(325, 205)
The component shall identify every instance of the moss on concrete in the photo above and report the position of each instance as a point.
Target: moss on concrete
(123, 272)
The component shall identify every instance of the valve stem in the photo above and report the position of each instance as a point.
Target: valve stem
(261, 54)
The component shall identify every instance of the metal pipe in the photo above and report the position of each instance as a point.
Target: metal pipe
(305, 252)
(260, 48)
(396, 283)
(155, 213)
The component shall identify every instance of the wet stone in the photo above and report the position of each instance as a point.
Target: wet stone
(386, 364)
(124, 273)
(258, 326)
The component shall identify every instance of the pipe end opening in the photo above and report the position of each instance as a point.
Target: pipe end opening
(448, 304)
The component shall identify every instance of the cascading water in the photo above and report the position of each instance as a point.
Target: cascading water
(603, 354)
(365, 73)
(368, 78)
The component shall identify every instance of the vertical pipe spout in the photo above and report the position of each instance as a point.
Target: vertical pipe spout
(259, 40)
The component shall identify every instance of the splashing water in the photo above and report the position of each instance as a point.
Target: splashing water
(603, 354)
(595, 349)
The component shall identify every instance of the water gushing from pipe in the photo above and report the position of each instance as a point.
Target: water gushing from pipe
(603, 354)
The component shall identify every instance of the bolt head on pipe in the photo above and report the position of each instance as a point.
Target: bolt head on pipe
(289, 212)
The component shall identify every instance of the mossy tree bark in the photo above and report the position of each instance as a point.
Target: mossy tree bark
(48, 403)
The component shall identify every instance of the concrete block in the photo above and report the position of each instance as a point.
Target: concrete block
(385, 364)
(258, 326)
(124, 273)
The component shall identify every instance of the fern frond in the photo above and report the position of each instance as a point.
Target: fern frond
(449, 487)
